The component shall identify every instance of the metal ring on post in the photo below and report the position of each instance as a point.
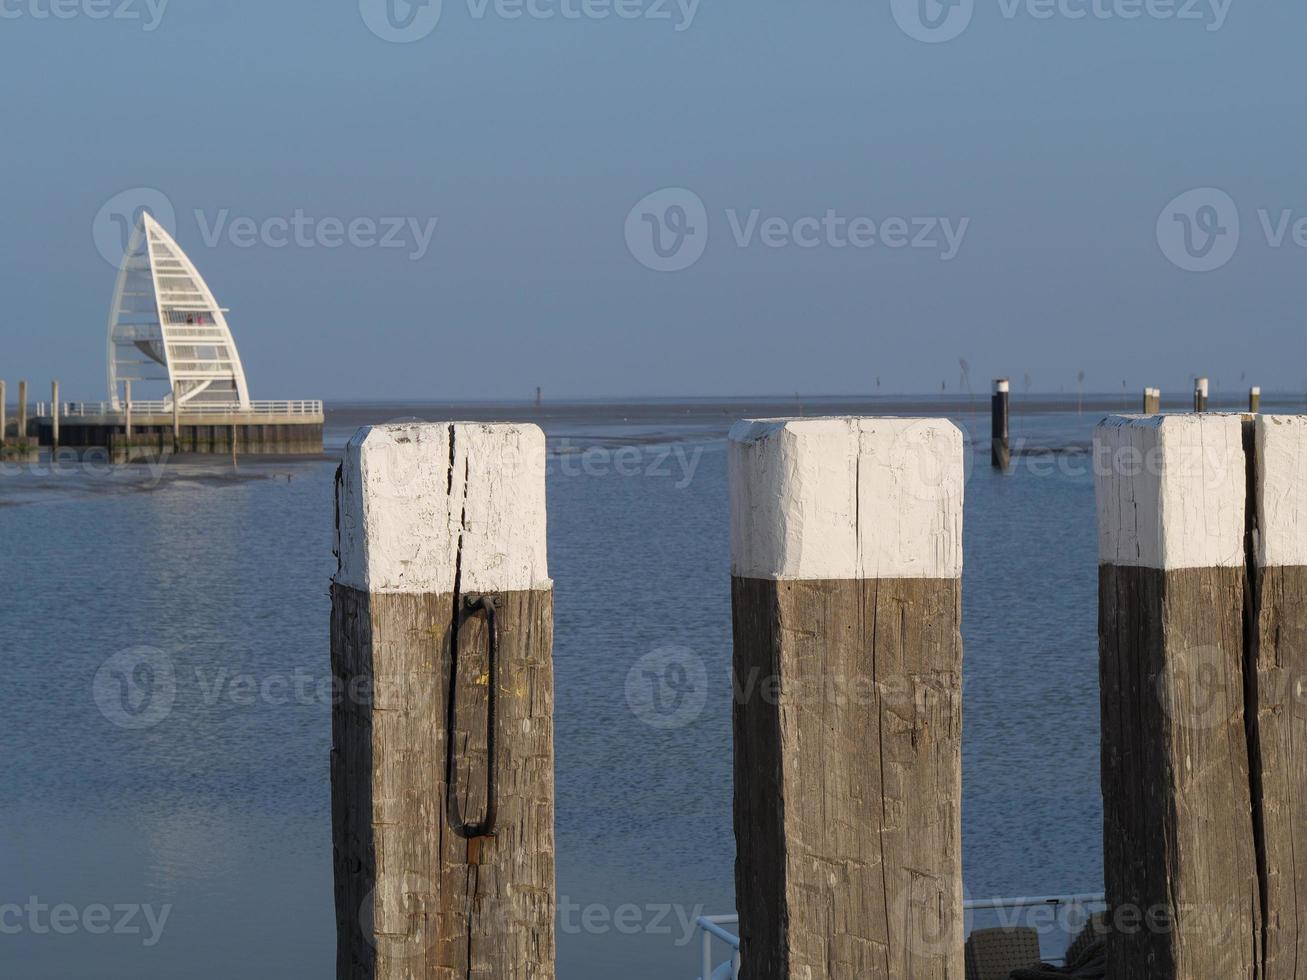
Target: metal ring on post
(472, 605)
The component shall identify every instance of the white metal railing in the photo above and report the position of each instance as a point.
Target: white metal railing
(712, 927)
(98, 409)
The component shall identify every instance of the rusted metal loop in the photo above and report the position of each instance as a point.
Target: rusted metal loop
(472, 605)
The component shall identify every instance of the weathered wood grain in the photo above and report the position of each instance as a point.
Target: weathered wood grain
(1179, 855)
(848, 726)
(414, 900)
(1281, 740)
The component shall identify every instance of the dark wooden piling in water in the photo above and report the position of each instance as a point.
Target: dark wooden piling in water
(1200, 395)
(1000, 448)
(1254, 399)
(22, 410)
(432, 519)
(846, 558)
(4, 416)
(1152, 401)
(54, 418)
(1180, 858)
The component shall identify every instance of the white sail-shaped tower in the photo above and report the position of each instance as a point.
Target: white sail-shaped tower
(165, 326)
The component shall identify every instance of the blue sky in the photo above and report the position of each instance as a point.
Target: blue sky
(1050, 144)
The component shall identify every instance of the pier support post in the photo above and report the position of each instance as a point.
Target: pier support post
(54, 419)
(1255, 399)
(1000, 447)
(22, 410)
(441, 546)
(1277, 670)
(1200, 395)
(846, 563)
(1180, 862)
(176, 423)
(1152, 401)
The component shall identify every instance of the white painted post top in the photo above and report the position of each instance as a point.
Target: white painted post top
(1201, 386)
(846, 498)
(1002, 386)
(422, 503)
(1256, 389)
(1171, 491)
(1281, 490)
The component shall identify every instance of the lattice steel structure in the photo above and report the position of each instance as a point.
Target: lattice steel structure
(166, 326)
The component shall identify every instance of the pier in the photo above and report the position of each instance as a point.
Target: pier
(152, 428)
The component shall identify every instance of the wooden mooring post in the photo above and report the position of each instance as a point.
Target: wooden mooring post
(1254, 399)
(1277, 685)
(1152, 401)
(54, 419)
(22, 410)
(442, 744)
(1180, 860)
(846, 563)
(1000, 447)
(1201, 386)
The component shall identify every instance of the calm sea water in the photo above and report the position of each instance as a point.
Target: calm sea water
(210, 829)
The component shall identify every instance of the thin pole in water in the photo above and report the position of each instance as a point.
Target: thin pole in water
(1000, 446)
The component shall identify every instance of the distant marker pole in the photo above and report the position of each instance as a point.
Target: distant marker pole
(442, 805)
(1200, 395)
(1255, 399)
(846, 544)
(1000, 447)
(1177, 805)
(54, 418)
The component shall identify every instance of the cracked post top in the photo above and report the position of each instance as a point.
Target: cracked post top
(846, 498)
(422, 506)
